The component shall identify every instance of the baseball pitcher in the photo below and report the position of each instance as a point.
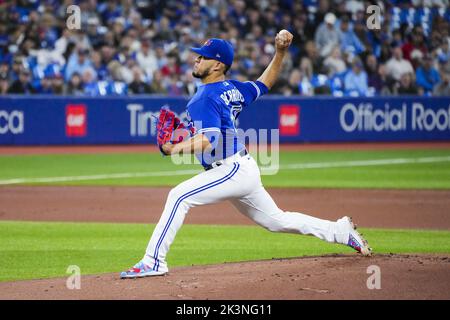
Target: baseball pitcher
(230, 171)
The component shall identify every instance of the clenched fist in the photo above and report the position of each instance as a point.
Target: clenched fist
(283, 40)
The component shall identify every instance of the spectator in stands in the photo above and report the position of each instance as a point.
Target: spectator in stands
(157, 84)
(397, 38)
(78, 62)
(406, 86)
(197, 30)
(305, 86)
(355, 80)
(297, 83)
(95, 38)
(299, 33)
(146, 58)
(281, 87)
(426, 75)
(16, 67)
(118, 28)
(354, 6)
(138, 86)
(444, 29)
(100, 68)
(22, 84)
(62, 42)
(348, 39)
(387, 88)
(334, 62)
(416, 42)
(443, 87)
(172, 67)
(115, 70)
(443, 56)
(4, 84)
(75, 86)
(4, 69)
(306, 71)
(443, 65)
(45, 86)
(374, 79)
(293, 85)
(190, 83)
(161, 56)
(175, 86)
(165, 32)
(57, 84)
(312, 54)
(81, 39)
(397, 66)
(316, 17)
(88, 78)
(385, 52)
(327, 37)
(127, 67)
(113, 31)
(107, 54)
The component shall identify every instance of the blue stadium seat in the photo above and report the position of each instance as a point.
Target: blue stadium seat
(319, 80)
(336, 83)
(118, 88)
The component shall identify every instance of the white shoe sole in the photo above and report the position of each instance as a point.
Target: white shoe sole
(123, 275)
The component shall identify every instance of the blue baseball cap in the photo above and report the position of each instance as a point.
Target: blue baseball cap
(217, 49)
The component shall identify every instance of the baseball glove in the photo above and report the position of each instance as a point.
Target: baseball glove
(170, 129)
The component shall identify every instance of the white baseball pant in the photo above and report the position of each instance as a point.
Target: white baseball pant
(239, 181)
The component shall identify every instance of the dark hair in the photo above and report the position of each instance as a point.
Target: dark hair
(226, 69)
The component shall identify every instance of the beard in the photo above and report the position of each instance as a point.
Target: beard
(201, 75)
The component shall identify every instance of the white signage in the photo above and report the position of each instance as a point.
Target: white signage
(365, 118)
(11, 122)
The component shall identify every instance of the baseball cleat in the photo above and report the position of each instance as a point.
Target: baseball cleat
(356, 240)
(140, 270)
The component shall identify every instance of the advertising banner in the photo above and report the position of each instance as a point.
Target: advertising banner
(48, 120)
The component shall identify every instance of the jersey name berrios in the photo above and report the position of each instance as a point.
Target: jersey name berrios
(213, 111)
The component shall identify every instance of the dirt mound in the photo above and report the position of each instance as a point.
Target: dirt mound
(326, 277)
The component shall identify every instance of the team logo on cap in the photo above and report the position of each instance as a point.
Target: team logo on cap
(207, 43)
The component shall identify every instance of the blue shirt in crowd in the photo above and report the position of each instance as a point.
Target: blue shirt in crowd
(356, 82)
(427, 79)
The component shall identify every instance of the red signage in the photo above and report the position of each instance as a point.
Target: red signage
(289, 120)
(76, 120)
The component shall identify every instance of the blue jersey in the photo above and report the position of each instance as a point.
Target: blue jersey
(213, 111)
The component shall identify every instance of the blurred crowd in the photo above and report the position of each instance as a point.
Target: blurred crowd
(142, 46)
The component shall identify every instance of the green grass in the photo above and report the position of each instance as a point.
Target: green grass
(396, 176)
(407, 176)
(30, 250)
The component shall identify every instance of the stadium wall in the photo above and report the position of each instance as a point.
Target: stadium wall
(49, 120)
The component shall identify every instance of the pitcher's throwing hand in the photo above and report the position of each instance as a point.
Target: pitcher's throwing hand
(283, 39)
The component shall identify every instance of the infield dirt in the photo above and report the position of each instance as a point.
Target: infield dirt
(327, 277)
